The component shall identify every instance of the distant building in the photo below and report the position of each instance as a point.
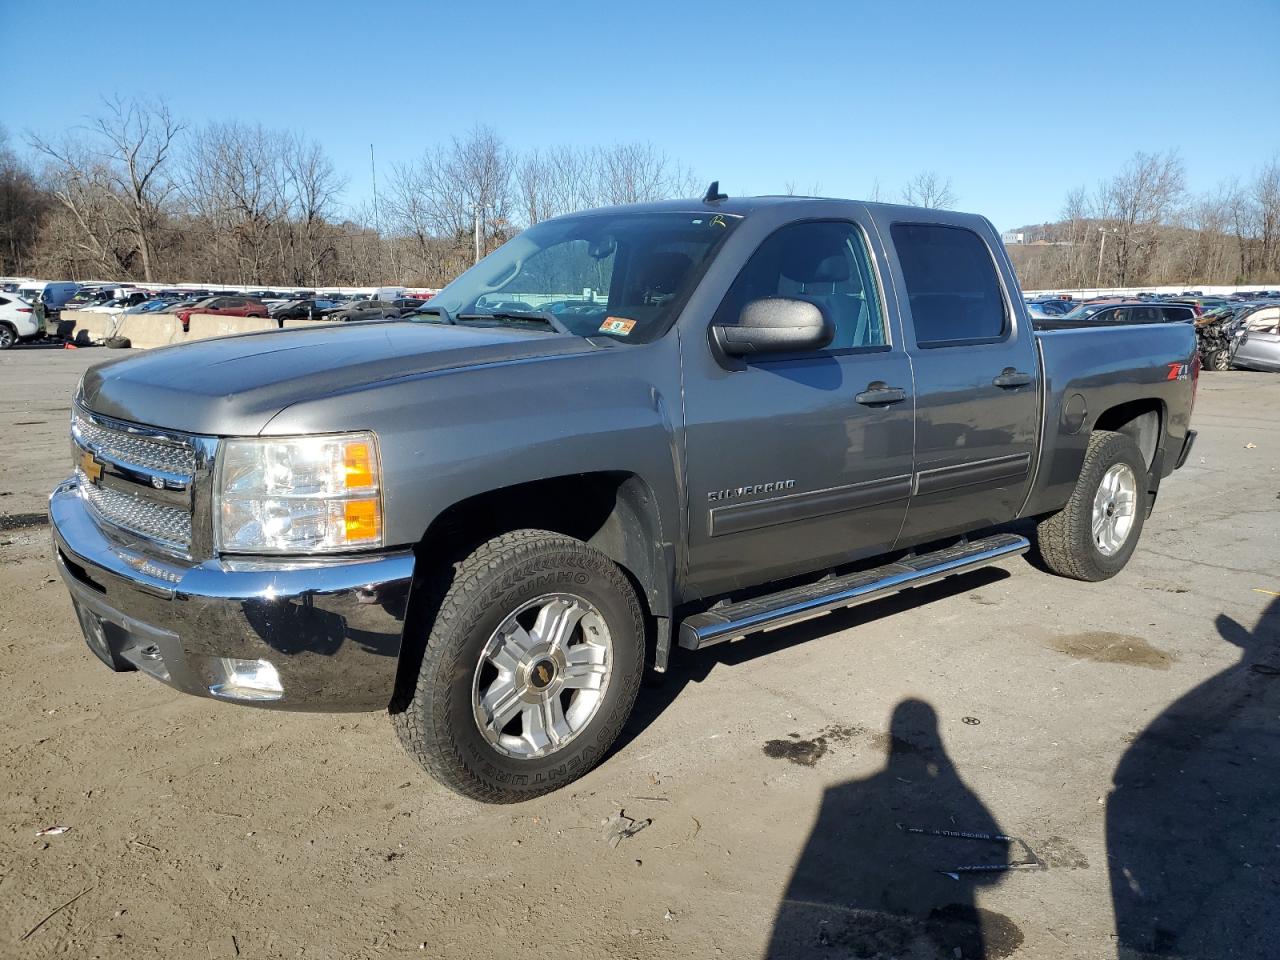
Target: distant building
(1011, 237)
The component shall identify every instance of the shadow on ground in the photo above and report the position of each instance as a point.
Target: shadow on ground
(1193, 820)
(879, 878)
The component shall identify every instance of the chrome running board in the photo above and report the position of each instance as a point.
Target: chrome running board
(735, 620)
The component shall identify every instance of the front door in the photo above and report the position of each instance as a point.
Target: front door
(799, 462)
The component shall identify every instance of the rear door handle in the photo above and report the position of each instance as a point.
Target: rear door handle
(1010, 377)
(879, 394)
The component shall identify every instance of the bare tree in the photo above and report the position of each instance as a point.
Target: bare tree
(928, 189)
(1133, 203)
(126, 161)
(450, 187)
(312, 189)
(23, 207)
(1265, 196)
(552, 182)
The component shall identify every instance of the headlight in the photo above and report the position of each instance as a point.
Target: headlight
(299, 494)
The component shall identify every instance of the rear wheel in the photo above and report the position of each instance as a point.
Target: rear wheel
(8, 336)
(1093, 536)
(531, 667)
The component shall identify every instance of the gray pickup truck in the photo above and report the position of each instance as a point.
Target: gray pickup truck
(676, 423)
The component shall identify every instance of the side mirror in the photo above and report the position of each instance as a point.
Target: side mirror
(775, 325)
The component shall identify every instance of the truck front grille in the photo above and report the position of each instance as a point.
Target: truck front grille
(139, 449)
(156, 521)
(136, 478)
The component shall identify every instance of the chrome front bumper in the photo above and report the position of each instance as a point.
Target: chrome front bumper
(330, 629)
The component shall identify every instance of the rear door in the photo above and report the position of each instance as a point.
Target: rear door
(977, 377)
(797, 462)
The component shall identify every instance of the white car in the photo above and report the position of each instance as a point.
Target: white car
(17, 321)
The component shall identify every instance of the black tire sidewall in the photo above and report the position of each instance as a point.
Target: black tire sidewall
(553, 568)
(1113, 449)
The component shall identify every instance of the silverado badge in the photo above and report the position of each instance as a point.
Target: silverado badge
(90, 466)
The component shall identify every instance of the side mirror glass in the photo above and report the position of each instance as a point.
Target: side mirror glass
(775, 325)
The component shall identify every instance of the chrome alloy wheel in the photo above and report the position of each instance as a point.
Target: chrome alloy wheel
(542, 676)
(1114, 507)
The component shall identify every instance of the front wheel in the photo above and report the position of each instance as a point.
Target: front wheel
(1093, 536)
(1219, 360)
(531, 667)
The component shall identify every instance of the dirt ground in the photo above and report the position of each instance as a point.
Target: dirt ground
(785, 777)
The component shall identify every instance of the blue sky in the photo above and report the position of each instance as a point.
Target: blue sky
(1015, 102)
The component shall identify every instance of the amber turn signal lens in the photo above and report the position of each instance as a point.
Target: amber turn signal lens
(357, 462)
(361, 521)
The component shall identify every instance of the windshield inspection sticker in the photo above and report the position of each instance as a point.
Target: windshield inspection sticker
(617, 325)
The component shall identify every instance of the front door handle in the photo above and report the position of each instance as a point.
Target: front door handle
(879, 394)
(1010, 377)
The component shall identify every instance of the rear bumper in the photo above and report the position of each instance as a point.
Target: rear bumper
(330, 629)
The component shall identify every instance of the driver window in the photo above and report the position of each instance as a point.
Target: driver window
(824, 262)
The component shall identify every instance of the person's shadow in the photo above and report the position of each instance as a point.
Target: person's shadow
(875, 878)
(1193, 819)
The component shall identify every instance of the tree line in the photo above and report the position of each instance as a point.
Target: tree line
(136, 193)
(1143, 227)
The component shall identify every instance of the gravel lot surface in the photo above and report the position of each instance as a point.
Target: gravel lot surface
(777, 773)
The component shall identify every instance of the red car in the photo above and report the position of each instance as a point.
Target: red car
(222, 306)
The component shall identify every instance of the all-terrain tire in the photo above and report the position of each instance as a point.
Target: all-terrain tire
(436, 723)
(1065, 540)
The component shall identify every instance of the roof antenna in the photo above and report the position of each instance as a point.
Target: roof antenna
(713, 193)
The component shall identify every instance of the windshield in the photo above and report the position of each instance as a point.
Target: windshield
(622, 275)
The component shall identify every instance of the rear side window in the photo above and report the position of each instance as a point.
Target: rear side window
(952, 285)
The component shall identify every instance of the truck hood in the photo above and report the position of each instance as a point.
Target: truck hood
(233, 386)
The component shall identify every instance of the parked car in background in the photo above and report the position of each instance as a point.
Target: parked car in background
(222, 307)
(1145, 313)
(118, 304)
(1201, 304)
(1086, 310)
(57, 294)
(407, 305)
(1053, 306)
(1257, 339)
(155, 305)
(364, 310)
(305, 309)
(18, 321)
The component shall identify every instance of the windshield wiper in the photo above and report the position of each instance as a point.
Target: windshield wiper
(442, 312)
(525, 316)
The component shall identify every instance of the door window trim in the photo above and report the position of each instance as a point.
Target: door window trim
(876, 280)
(1009, 327)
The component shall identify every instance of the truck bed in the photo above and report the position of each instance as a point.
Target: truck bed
(1090, 368)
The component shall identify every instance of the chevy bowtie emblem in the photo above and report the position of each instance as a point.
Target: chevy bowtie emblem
(544, 675)
(90, 466)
